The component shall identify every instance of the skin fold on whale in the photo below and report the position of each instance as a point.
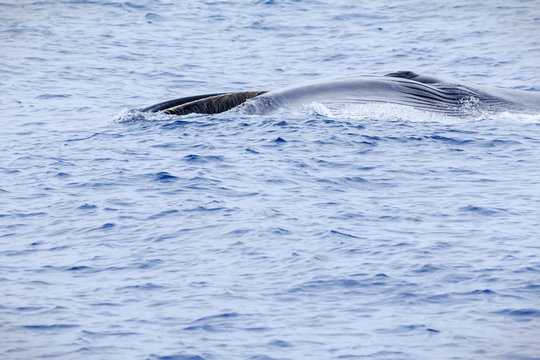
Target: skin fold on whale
(402, 88)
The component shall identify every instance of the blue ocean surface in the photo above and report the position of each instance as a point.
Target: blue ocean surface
(378, 233)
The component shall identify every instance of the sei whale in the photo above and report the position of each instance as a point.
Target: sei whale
(402, 88)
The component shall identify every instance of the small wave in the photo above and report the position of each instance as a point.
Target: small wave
(105, 226)
(194, 158)
(227, 315)
(144, 287)
(164, 176)
(449, 140)
(151, 17)
(162, 214)
(482, 211)
(279, 343)
(87, 207)
(52, 96)
(175, 357)
(519, 313)
(50, 327)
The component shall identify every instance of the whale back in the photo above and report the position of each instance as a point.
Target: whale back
(409, 75)
(402, 88)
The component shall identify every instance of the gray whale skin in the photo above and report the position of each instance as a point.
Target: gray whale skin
(403, 88)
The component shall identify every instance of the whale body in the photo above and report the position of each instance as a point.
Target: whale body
(403, 88)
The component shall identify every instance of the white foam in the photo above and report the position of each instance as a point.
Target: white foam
(381, 111)
(518, 117)
(130, 115)
(404, 113)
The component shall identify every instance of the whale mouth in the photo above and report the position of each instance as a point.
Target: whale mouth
(204, 104)
(172, 103)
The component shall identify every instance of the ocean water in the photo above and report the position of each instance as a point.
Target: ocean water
(378, 233)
